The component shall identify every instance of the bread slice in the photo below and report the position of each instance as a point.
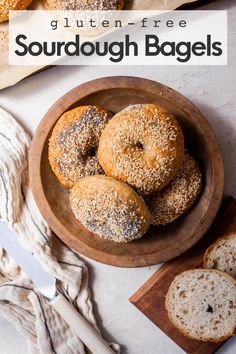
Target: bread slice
(201, 304)
(221, 255)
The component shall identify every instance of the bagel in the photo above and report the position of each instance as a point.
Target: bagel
(73, 144)
(7, 5)
(109, 208)
(98, 5)
(142, 145)
(169, 204)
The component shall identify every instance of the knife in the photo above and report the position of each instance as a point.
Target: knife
(46, 284)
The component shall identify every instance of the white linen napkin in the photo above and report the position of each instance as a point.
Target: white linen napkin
(20, 302)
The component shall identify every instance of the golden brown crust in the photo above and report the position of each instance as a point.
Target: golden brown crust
(215, 244)
(180, 329)
(109, 208)
(81, 5)
(222, 339)
(174, 200)
(7, 5)
(74, 141)
(142, 145)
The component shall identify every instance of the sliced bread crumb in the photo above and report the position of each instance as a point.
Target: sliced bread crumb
(201, 303)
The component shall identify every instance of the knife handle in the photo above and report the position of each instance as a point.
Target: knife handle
(87, 334)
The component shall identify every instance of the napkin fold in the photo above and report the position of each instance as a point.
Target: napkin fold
(20, 302)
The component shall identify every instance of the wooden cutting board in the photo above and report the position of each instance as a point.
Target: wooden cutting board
(150, 298)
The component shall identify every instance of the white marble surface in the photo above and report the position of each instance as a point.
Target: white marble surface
(213, 90)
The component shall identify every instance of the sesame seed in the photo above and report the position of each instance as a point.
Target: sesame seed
(7, 5)
(106, 211)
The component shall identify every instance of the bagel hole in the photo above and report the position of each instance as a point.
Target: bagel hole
(139, 145)
(93, 151)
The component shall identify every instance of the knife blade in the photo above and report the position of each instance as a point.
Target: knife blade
(46, 284)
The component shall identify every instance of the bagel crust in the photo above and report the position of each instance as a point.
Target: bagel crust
(7, 5)
(83, 5)
(74, 141)
(142, 145)
(173, 201)
(109, 208)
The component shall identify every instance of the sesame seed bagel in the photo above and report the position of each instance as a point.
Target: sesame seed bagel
(7, 5)
(109, 208)
(74, 141)
(173, 201)
(201, 304)
(98, 5)
(142, 145)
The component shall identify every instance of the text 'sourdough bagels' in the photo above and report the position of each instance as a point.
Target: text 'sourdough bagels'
(109, 208)
(142, 145)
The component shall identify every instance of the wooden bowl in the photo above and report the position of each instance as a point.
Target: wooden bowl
(160, 243)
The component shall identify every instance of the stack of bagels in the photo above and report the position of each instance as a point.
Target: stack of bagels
(124, 171)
